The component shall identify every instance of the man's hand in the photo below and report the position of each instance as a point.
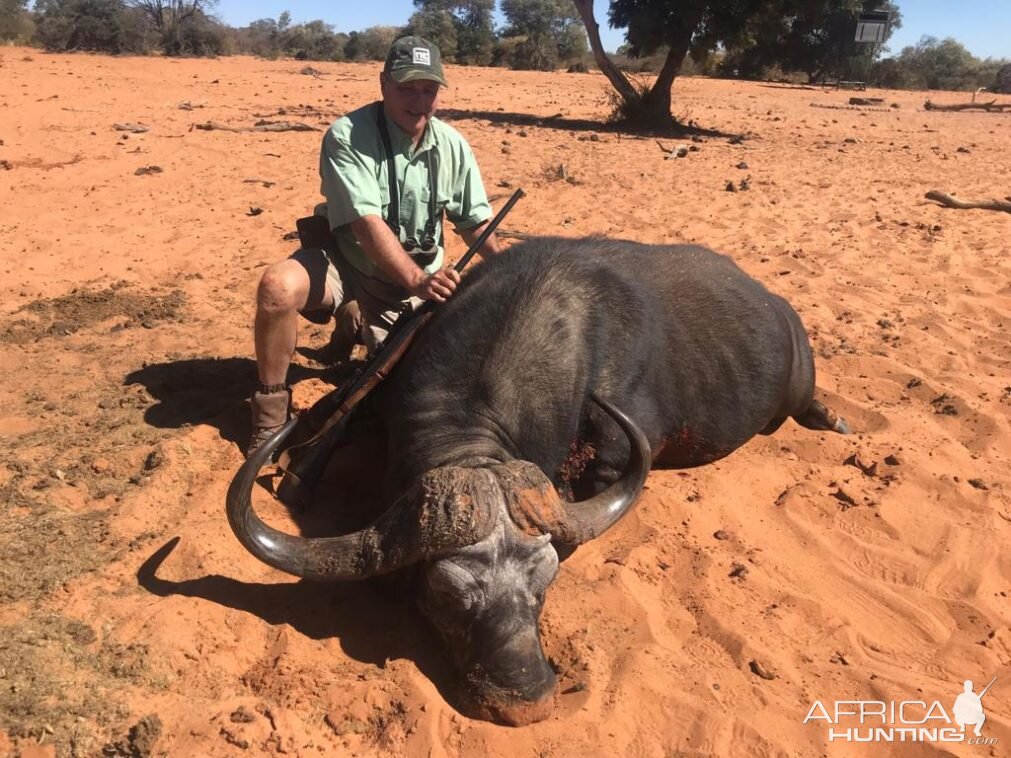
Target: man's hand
(437, 286)
(491, 247)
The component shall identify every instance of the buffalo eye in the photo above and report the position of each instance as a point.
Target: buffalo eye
(452, 588)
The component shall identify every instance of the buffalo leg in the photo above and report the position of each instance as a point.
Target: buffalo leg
(821, 418)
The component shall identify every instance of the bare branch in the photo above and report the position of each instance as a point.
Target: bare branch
(987, 205)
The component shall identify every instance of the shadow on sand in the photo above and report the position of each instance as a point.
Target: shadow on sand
(691, 129)
(374, 620)
(214, 391)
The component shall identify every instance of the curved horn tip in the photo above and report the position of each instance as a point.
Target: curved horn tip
(591, 518)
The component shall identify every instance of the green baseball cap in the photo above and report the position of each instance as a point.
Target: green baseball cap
(412, 58)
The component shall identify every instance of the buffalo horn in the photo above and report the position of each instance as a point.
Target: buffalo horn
(588, 519)
(447, 509)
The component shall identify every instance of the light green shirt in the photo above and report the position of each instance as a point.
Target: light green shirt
(353, 169)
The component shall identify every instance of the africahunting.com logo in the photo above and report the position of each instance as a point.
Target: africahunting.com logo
(906, 720)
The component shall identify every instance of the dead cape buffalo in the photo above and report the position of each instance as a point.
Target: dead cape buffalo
(563, 366)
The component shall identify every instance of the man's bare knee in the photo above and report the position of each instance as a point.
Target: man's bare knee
(283, 288)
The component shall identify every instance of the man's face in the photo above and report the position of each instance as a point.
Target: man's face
(410, 104)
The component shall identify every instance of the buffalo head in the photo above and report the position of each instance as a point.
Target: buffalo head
(483, 536)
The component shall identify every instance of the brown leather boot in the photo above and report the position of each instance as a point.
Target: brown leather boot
(270, 407)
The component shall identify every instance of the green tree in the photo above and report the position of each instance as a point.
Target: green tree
(371, 44)
(15, 21)
(475, 32)
(315, 40)
(817, 38)
(551, 33)
(939, 64)
(79, 25)
(261, 38)
(436, 25)
(696, 27)
(183, 25)
(1002, 81)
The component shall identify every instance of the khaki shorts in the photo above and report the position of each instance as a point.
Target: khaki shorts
(380, 302)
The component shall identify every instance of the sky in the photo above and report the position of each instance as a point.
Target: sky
(982, 26)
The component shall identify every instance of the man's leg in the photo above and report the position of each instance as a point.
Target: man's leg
(380, 304)
(296, 284)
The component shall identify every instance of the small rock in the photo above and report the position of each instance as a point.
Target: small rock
(731, 187)
(847, 501)
(154, 460)
(738, 571)
(146, 169)
(743, 166)
(869, 469)
(892, 460)
(100, 465)
(254, 211)
(723, 534)
(242, 715)
(978, 484)
(759, 670)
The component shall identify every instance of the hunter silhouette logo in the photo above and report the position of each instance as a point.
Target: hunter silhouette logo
(905, 720)
(968, 707)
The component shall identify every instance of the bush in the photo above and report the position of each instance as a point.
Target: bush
(372, 44)
(80, 25)
(1002, 82)
(197, 35)
(16, 23)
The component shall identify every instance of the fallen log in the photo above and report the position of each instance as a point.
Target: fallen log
(991, 107)
(987, 205)
(260, 126)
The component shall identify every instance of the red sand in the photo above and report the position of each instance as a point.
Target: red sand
(886, 585)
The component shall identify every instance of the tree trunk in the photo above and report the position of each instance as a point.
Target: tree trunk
(607, 68)
(657, 102)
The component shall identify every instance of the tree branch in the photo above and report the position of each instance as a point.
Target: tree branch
(987, 205)
(607, 67)
(992, 107)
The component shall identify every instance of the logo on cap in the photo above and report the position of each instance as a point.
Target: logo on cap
(422, 56)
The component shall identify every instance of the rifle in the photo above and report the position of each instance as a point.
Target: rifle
(302, 464)
(987, 687)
